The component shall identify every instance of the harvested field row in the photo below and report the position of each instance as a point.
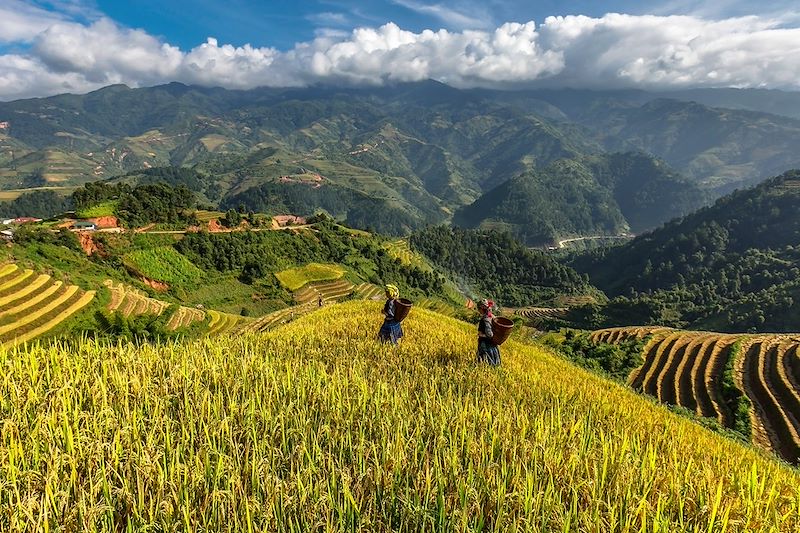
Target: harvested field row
(48, 321)
(183, 317)
(542, 313)
(32, 302)
(25, 291)
(369, 291)
(437, 306)
(6, 270)
(620, 334)
(331, 290)
(278, 317)
(9, 285)
(687, 369)
(781, 435)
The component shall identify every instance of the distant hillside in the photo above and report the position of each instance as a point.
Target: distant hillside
(720, 138)
(417, 152)
(733, 266)
(600, 195)
(493, 264)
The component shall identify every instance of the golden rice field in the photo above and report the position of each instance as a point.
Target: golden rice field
(295, 278)
(686, 368)
(400, 249)
(436, 305)
(130, 302)
(329, 291)
(537, 314)
(224, 323)
(34, 304)
(369, 291)
(315, 426)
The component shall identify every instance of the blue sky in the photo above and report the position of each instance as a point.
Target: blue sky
(282, 23)
(55, 46)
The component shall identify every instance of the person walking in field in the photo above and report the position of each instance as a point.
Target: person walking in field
(319, 301)
(390, 331)
(487, 351)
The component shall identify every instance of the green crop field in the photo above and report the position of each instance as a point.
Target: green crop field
(316, 426)
(294, 278)
(165, 264)
(104, 209)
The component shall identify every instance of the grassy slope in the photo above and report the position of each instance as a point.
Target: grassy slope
(318, 426)
(294, 278)
(165, 264)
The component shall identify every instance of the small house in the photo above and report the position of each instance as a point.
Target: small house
(7, 235)
(84, 225)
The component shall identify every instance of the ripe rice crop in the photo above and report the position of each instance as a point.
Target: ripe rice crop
(331, 290)
(294, 278)
(318, 427)
(400, 250)
(22, 335)
(28, 289)
(687, 368)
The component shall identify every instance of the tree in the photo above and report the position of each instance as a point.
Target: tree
(232, 219)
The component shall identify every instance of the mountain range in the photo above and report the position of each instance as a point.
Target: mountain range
(545, 164)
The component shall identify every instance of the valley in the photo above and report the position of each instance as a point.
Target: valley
(396, 159)
(203, 271)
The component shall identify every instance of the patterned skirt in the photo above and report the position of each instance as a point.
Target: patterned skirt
(390, 332)
(488, 353)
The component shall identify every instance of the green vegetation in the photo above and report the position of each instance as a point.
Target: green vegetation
(156, 203)
(103, 209)
(254, 256)
(496, 265)
(394, 161)
(598, 195)
(40, 204)
(163, 264)
(728, 267)
(356, 209)
(294, 278)
(616, 360)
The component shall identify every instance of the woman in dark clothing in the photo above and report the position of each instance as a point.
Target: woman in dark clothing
(390, 331)
(487, 351)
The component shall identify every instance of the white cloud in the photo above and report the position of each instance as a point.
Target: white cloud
(457, 18)
(21, 21)
(610, 51)
(328, 18)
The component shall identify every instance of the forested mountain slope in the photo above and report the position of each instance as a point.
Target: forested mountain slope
(412, 153)
(597, 195)
(732, 266)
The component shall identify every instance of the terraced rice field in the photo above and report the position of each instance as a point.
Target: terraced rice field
(436, 305)
(400, 249)
(768, 373)
(686, 368)
(279, 317)
(32, 305)
(131, 302)
(330, 291)
(368, 291)
(225, 323)
(537, 314)
(183, 317)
